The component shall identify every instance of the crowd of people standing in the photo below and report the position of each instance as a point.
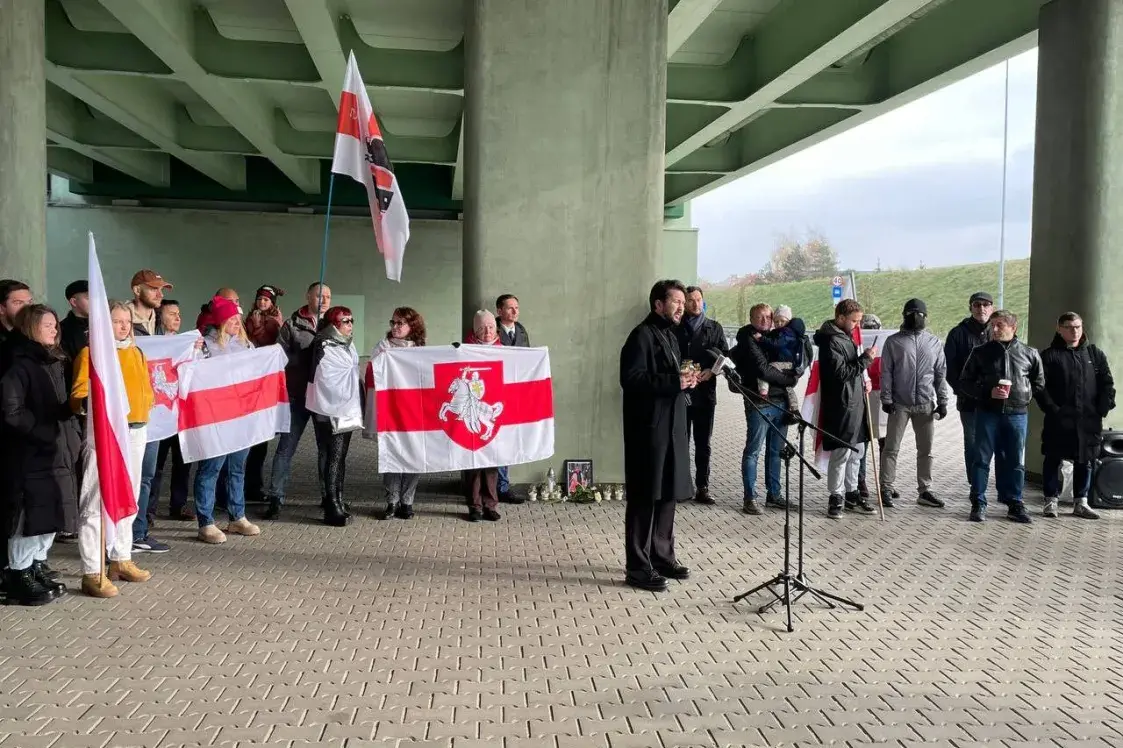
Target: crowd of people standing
(993, 375)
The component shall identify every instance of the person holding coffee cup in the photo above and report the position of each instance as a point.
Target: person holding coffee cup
(1001, 376)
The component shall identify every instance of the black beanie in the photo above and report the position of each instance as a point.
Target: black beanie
(915, 306)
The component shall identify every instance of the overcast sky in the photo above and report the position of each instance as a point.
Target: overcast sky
(921, 183)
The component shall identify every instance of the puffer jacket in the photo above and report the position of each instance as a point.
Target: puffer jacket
(1012, 360)
(913, 372)
(296, 338)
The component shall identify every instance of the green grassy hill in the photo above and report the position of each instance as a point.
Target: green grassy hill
(945, 291)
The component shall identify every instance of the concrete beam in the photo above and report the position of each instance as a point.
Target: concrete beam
(458, 169)
(69, 125)
(167, 28)
(319, 29)
(684, 19)
(66, 163)
(146, 109)
(952, 42)
(791, 48)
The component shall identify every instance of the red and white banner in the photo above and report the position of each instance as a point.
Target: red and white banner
(810, 407)
(229, 403)
(108, 408)
(165, 355)
(443, 408)
(360, 153)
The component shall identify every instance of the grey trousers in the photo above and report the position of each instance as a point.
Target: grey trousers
(924, 428)
(842, 470)
(400, 487)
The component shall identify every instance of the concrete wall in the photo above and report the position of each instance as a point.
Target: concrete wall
(200, 250)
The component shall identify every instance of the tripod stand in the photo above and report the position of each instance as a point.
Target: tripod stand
(782, 585)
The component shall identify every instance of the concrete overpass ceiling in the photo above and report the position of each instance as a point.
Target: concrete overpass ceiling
(236, 99)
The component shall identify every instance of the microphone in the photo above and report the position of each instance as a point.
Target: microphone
(722, 364)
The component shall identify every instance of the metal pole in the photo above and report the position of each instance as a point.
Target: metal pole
(1002, 220)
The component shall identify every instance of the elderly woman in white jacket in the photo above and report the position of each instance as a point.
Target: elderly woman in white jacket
(334, 401)
(407, 330)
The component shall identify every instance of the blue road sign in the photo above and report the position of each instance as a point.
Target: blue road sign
(836, 293)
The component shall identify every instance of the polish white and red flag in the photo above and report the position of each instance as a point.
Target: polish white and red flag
(165, 355)
(360, 153)
(809, 409)
(445, 408)
(232, 402)
(107, 414)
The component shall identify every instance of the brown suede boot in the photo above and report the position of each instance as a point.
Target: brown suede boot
(127, 571)
(95, 585)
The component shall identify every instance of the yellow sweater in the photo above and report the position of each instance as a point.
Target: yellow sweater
(134, 369)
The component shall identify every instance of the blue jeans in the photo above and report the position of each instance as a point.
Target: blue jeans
(286, 448)
(761, 435)
(1003, 437)
(1052, 478)
(206, 480)
(144, 496)
(503, 485)
(967, 419)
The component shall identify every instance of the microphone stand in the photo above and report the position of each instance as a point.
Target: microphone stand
(782, 585)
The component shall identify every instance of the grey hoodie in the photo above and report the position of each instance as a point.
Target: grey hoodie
(913, 371)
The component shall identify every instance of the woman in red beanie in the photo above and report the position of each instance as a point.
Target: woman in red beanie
(225, 335)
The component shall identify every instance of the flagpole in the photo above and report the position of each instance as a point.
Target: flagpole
(324, 254)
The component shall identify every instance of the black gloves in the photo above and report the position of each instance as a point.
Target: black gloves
(887, 408)
(941, 412)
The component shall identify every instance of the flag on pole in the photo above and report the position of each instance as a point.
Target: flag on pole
(232, 402)
(108, 408)
(442, 408)
(360, 153)
(810, 407)
(165, 354)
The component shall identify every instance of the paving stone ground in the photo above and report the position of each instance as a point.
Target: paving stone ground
(515, 634)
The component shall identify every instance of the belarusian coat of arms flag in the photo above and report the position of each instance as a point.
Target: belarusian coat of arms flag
(445, 408)
(360, 153)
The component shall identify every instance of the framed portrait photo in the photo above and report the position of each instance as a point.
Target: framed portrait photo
(577, 473)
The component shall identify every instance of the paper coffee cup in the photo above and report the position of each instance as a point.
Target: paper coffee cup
(1005, 383)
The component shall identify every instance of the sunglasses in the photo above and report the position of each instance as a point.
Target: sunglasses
(397, 323)
(347, 321)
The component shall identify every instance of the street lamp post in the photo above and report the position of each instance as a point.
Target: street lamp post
(1002, 220)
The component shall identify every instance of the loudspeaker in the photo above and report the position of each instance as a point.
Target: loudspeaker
(1107, 476)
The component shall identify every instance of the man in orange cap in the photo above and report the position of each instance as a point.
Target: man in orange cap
(148, 293)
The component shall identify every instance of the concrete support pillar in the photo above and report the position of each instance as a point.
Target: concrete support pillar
(23, 145)
(564, 143)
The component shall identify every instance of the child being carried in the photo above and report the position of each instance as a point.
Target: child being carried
(783, 346)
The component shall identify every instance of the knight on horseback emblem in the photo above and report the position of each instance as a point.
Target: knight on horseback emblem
(467, 403)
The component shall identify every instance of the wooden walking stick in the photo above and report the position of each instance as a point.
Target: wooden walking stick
(873, 462)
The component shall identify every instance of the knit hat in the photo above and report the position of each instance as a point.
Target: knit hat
(270, 292)
(222, 309)
(784, 311)
(915, 306)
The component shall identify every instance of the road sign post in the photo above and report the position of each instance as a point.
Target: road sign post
(836, 289)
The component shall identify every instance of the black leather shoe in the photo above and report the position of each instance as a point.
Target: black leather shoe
(474, 515)
(675, 571)
(646, 580)
(389, 512)
(491, 515)
(703, 496)
(274, 510)
(42, 572)
(404, 512)
(22, 588)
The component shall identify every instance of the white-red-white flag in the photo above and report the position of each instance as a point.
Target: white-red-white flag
(360, 153)
(443, 408)
(232, 402)
(810, 406)
(165, 355)
(108, 408)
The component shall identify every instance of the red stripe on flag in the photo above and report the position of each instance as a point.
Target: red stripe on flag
(220, 404)
(112, 466)
(417, 409)
(348, 122)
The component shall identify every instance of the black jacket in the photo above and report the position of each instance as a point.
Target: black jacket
(520, 338)
(752, 365)
(1013, 360)
(962, 339)
(842, 397)
(1079, 393)
(296, 338)
(656, 450)
(39, 444)
(695, 347)
(74, 336)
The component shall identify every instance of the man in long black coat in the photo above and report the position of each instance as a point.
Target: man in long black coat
(1079, 393)
(843, 387)
(656, 448)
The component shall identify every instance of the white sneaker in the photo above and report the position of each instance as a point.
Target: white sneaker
(1050, 507)
(1080, 508)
